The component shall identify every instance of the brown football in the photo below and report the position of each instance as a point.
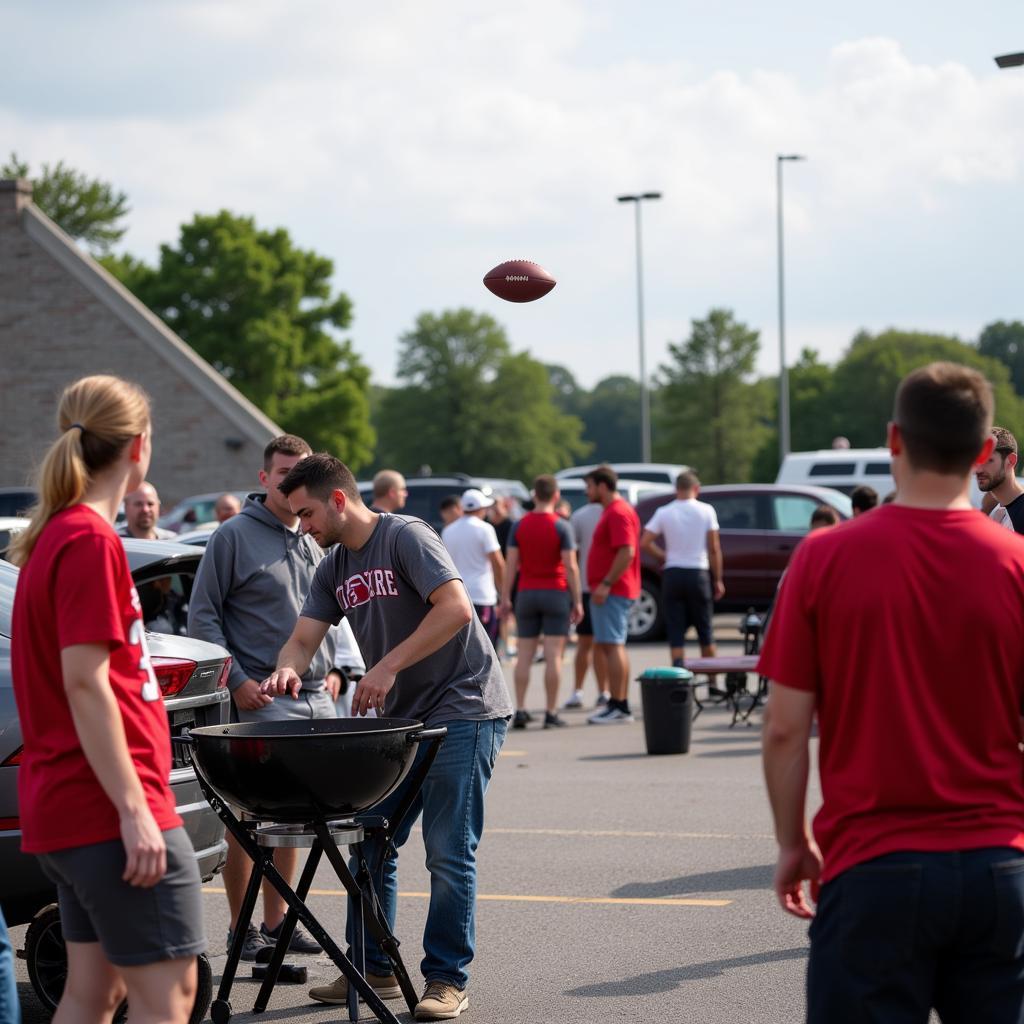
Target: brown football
(519, 281)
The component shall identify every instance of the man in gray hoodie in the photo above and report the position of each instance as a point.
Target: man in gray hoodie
(252, 581)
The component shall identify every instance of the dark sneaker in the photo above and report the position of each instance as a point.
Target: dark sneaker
(552, 721)
(521, 719)
(302, 941)
(602, 701)
(254, 942)
(441, 1001)
(385, 985)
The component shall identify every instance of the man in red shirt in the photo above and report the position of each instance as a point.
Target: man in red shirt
(901, 631)
(613, 574)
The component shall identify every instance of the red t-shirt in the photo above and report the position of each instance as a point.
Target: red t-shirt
(541, 537)
(906, 625)
(618, 526)
(76, 589)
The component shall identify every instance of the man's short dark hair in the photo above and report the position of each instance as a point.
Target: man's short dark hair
(321, 474)
(863, 498)
(944, 412)
(286, 444)
(603, 474)
(450, 501)
(545, 487)
(824, 515)
(687, 480)
(1006, 443)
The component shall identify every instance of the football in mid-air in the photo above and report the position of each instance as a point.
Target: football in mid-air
(519, 281)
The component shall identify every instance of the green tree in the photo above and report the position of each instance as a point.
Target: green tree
(1005, 342)
(611, 419)
(865, 381)
(710, 414)
(469, 404)
(261, 310)
(88, 209)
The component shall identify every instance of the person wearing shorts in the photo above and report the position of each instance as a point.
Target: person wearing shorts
(542, 549)
(584, 521)
(613, 572)
(691, 553)
(95, 801)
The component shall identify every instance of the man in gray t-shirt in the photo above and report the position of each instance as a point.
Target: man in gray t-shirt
(428, 658)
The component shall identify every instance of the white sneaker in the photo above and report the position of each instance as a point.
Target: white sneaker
(610, 716)
(575, 701)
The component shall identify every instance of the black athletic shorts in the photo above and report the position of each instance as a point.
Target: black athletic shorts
(542, 611)
(688, 601)
(585, 627)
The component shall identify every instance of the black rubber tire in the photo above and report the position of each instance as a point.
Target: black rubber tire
(220, 1011)
(647, 618)
(46, 957)
(47, 962)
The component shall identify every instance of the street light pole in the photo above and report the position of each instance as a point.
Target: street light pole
(645, 397)
(783, 372)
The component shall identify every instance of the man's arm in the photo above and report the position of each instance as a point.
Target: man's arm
(100, 728)
(498, 568)
(715, 560)
(508, 581)
(649, 543)
(572, 576)
(785, 735)
(295, 657)
(450, 611)
(620, 563)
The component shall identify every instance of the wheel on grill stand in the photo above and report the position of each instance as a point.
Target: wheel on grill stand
(46, 958)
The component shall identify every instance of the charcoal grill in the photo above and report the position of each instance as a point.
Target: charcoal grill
(310, 784)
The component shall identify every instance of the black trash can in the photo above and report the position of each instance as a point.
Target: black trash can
(668, 709)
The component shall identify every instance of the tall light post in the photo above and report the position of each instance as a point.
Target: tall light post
(645, 397)
(783, 372)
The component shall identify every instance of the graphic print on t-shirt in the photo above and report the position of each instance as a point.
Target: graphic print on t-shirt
(137, 638)
(362, 587)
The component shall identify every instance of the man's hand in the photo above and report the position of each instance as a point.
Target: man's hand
(504, 609)
(371, 691)
(144, 848)
(600, 593)
(333, 682)
(284, 680)
(797, 864)
(250, 696)
(576, 613)
(719, 590)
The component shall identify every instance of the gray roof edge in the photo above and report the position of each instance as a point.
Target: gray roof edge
(144, 323)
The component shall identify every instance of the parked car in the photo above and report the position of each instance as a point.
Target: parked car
(426, 492)
(193, 676)
(654, 472)
(634, 491)
(9, 526)
(16, 501)
(760, 525)
(196, 510)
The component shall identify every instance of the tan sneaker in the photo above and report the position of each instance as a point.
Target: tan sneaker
(441, 1001)
(386, 986)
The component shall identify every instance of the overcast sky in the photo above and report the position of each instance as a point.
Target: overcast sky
(420, 144)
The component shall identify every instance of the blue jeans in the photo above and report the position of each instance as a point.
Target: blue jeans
(900, 934)
(10, 1008)
(452, 804)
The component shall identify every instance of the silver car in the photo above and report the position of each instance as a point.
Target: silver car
(193, 676)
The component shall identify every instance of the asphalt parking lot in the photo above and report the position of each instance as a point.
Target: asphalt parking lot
(613, 885)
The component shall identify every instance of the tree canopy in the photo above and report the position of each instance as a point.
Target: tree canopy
(468, 403)
(1005, 342)
(260, 310)
(88, 209)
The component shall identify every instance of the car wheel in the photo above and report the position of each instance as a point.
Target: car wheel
(646, 620)
(46, 957)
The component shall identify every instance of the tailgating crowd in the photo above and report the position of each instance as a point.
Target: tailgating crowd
(894, 635)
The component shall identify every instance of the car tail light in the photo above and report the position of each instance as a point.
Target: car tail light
(224, 673)
(172, 674)
(14, 759)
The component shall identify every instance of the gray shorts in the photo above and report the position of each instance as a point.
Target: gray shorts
(309, 704)
(133, 926)
(542, 611)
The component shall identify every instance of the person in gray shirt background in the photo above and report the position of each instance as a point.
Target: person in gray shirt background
(429, 659)
(250, 586)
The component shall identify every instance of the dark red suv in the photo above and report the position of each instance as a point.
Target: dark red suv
(760, 526)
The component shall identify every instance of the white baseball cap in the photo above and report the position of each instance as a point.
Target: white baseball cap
(474, 499)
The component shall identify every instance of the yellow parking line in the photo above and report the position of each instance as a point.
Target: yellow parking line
(667, 901)
(512, 753)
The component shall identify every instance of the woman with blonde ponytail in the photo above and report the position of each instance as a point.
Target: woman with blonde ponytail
(96, 805)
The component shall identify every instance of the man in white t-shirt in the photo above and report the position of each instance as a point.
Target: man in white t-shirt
(691, 554)
(474, 547)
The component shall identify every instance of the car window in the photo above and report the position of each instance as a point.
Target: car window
(8, 582)
(878, 469)
(654, 476)
(164, 601)
(735, 511)
(833, 469)
(792, 512)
